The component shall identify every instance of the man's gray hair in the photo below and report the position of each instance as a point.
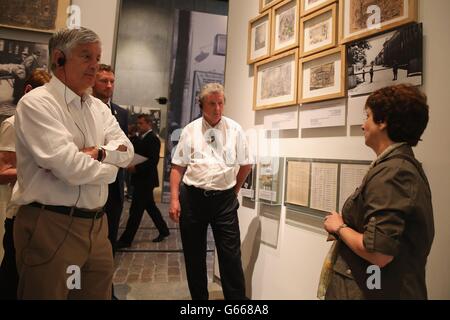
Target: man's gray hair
(67, 39)
(209, 88)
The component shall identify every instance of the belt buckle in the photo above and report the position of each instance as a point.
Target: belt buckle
(207, 193)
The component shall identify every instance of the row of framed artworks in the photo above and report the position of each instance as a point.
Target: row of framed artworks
(312, 25)
(310, 185)
(315, 78)
(358, 68)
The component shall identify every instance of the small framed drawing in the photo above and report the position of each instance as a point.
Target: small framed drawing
(285, 26)
(362, 18)
(323, 76)
(266, 4)
(318, 31)
(275, 81)
(220, 45)
(259, 38)
(37, 15)
(309, 6)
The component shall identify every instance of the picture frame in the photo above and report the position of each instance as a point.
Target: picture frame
(259, 36)
(276, 81)
(355, 22)
(267, 4)
(309, 6)
(322, 76)
(385, 59)
(18, 59)
(42, 16)
(220, 45)
(285, 26)
(318, 31)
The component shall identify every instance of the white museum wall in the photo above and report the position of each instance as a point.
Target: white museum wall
(101, 16)
(292, 269)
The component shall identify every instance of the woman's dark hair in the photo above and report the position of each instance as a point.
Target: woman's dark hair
(403, 108)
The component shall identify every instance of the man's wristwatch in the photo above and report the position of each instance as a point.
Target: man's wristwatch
(339, 229)
(101, 154)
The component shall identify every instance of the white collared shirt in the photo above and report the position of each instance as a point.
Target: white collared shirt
(7, 143)
(52, 125)
(212, 155)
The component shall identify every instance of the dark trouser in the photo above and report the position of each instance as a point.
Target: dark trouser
(143, 200)
(197, 211)
(113, 209)
(9, 278)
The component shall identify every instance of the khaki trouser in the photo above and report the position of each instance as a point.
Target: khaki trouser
(50, 246)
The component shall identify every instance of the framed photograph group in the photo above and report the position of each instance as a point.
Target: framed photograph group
(275, 81)
(318, 31)
(259, 35)
(362, 18)
(285, 26)
(323, 76)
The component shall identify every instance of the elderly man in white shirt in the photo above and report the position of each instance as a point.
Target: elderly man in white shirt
(69, 147)
(213, 155)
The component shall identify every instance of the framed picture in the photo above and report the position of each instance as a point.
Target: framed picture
(284, 26)
(323, 76)
(275, 81)
(259, 37)
(318, 31)
(18, 59)
(309, 6)
(363, 18)
(390, 58)
(220, 45)
(267, 4)
(38, 15)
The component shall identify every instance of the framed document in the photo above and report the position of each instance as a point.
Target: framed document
(285, 26)
(259, 37)
(318, 31)
(362, 18)
(298, 182)
(275, 81)
(323, 76)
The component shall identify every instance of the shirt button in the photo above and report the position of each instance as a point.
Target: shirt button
(349, 272)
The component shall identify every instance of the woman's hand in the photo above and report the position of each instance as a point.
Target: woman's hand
(332, 222)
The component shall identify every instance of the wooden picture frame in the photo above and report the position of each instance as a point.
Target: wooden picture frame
(276, 81)
(34, 18)
(259, 36)
(322, 76)
(285, 26)
(309, 6)
(355, 23)
(318, 31)
(267, 4)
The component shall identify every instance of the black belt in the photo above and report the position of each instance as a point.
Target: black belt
(77, 212)
(210, 193)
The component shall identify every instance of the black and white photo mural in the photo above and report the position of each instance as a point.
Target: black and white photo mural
(391, 58)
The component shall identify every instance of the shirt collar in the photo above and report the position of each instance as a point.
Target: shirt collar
(143, 136)
(66, 93)
(208, 126)
(387, 152)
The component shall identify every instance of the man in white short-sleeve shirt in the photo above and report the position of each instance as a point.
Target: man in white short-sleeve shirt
(213, 154)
